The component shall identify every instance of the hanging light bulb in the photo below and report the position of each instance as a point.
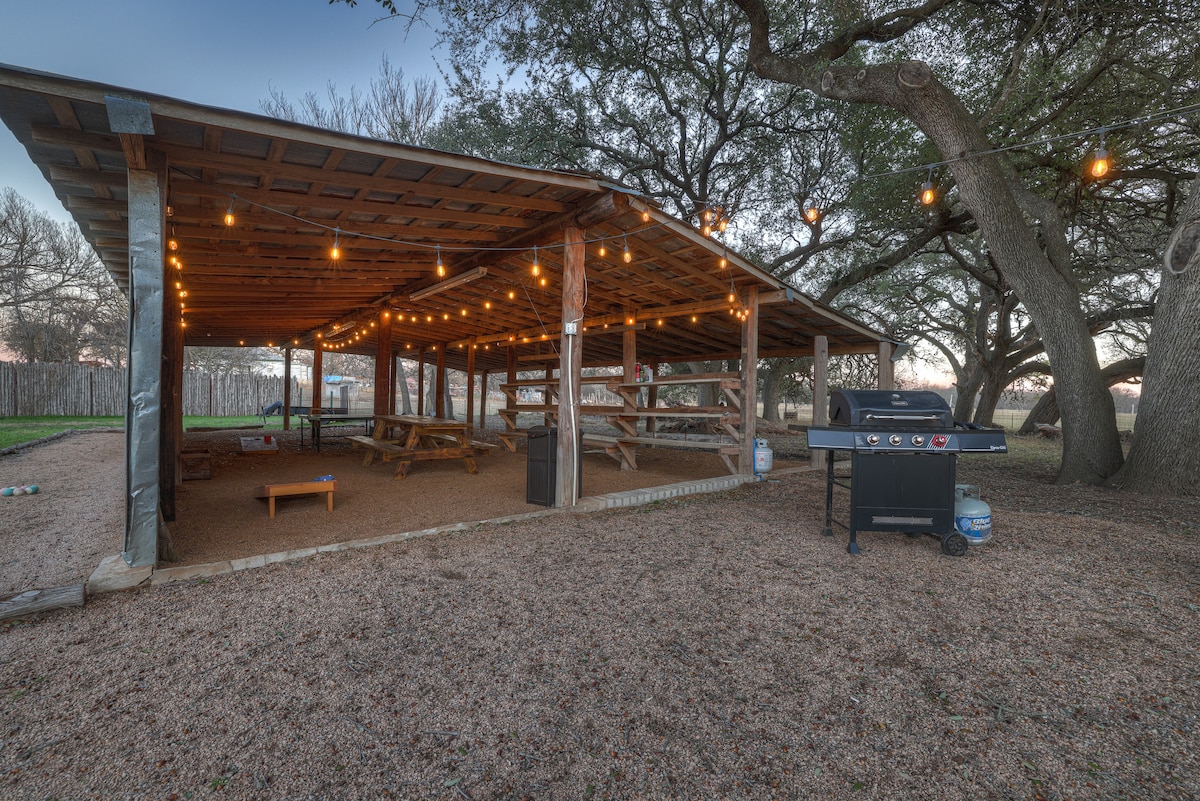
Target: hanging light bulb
(723, 223)
(173, 243)
(603, 251)
(335, 252)
(812, 214)
(627, 256)
(441, 268)
(928, 195)
(706, 229)
(512, 295)
(229, 218)
(537, 268)
(646, 215)
(724, 257)
(1100, 161)
(487, 304)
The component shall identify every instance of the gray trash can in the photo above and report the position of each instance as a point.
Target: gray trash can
(541, 480)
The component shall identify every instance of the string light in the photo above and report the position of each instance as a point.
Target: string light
(812, 214)
(627, 256)
(336, 253)
(927, 193)
(646, 215)
(1100, 162)
(537, 268)
(441, 268)
(229, 218)
(724, 256)
(603, 251)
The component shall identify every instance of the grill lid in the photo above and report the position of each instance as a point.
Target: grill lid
(878, 408)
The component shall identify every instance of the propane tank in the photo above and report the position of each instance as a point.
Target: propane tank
(972, 517)
(764, 457)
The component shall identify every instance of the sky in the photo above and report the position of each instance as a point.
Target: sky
(223, 53)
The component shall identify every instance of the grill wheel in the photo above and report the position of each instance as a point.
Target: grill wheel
(954, 544)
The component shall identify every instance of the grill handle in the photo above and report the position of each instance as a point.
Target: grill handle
(903, 417)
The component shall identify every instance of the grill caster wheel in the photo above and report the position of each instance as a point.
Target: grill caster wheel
(954, 544)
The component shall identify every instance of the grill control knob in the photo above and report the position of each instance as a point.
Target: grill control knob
(872, 439)
(918, 440)
(895, 439)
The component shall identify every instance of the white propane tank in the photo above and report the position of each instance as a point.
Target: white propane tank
(764, 457)
(972, 517)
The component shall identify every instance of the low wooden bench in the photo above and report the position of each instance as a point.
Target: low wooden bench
(270, 492)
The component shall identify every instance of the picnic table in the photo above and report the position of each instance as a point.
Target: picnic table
(408, 438)
(317, 420)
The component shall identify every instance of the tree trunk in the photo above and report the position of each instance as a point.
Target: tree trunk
(1091, 445)
(1046, 409)
(1165, 455)
(769, 392)
(968, 390)
(405, 398)
(989, 398)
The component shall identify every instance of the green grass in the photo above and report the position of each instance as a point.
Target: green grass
(14, 430)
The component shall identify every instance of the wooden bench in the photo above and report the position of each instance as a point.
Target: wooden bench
(272, 491)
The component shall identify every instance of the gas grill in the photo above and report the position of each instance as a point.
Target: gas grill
(904, 450)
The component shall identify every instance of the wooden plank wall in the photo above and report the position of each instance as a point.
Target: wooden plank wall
(28, 390)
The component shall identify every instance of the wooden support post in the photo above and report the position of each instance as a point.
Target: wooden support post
(394, 368)
(483, 393)
(287, 389)
(143, 425)
(439, 386)
(820, 411)
(628, 361)
(317, 375)
(170, 464)
(749, 384)
(569, 369)
(471, 381)
(652, 397)
(421, 380)
(511, 377)
(886, 376)
(548, 419)
(383, 363)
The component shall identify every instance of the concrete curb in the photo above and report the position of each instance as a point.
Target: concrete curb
(595, 503)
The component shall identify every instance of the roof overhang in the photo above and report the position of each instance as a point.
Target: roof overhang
(395, 212)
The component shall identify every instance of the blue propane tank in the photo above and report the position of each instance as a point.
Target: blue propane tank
(764, 457)
(972, 517)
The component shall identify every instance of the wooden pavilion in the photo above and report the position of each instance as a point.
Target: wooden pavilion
(226, 228)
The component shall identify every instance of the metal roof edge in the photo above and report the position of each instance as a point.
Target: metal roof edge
(23, 78)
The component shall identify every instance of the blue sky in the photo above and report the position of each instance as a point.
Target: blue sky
(225, 53)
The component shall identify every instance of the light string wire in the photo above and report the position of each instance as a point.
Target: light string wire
(1100, 130)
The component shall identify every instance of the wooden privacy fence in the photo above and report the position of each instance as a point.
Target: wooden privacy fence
(28, 390)
(228, 395)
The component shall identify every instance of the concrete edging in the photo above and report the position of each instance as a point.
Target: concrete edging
(594, 503)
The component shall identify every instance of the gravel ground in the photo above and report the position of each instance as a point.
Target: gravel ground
(715, 647)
